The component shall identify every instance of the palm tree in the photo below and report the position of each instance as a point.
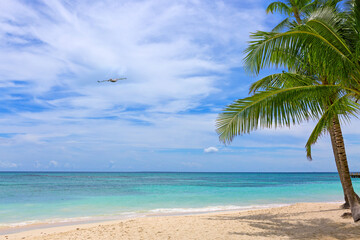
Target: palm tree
(330, 37)
(330, 43)
(291, 8)
(301, 10)
(296, 10)
(290, 98)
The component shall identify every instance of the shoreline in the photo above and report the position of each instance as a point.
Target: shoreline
(59, 222)
(328, 215)
(14, 228)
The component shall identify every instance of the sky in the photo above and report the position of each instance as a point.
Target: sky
(183, 64)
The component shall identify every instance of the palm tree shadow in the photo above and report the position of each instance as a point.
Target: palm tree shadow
(276, 225)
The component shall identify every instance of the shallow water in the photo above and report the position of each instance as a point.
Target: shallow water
(34, 197)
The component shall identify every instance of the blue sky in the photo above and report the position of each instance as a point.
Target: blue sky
(183, 63)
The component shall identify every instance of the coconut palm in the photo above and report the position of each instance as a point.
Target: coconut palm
(288, 99)
(296, 11)
(291, 8)
(332, 42)
(306, 7)
(305, 78)
(329, 43)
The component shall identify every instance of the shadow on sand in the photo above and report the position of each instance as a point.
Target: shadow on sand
(273, 226)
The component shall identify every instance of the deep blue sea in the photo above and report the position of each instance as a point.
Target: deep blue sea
(51, 197)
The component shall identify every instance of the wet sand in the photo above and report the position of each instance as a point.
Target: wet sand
(298, 221)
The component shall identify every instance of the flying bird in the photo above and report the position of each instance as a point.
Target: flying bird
(112, 80)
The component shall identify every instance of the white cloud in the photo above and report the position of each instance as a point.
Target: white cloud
(170, 66)
(211, 150)
(174, 53)
(53, 163)
(111, 164)
(191, 164)
(8, 164)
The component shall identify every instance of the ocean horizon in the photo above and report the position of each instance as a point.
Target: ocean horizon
(56, 197)
(61, 197)
(1, 171)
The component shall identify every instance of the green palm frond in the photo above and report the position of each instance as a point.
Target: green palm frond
(284, 24)
(321, 52)
(356, 16)
(272, 108)
(353, 31)
(317, 4)
(327, 23)
(282, 80)
(318, 41)
(278, 7)
(343, 107)
(309, 8)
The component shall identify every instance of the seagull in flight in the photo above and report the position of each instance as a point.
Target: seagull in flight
(112, 80)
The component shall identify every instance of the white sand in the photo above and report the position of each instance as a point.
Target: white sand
(298, 221)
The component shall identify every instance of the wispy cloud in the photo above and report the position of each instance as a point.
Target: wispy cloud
(177, 57)
(211, 150)
(173, 53)
(8, 164)
(53, 163)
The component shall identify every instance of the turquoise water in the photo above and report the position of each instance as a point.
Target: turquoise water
(31, 197)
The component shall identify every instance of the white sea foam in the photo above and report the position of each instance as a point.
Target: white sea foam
(127, 215)
(46, 221)
(68, 220)
(214, 209)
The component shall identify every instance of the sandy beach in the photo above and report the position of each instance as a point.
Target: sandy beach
(298, 221)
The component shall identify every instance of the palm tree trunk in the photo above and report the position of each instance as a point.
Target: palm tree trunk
(346, 205)
(344, 171)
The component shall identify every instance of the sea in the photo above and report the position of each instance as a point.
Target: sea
(28, 198)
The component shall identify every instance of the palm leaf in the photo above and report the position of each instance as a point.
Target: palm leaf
(265, 52)
(282, 80)
(279, 7)
(342, 107)
(282, 25)
(272, 108)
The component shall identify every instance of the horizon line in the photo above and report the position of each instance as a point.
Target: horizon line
(155, 172)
